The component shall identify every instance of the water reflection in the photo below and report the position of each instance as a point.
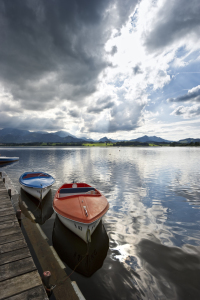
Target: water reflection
(72, 249)
(170, 271)
(6, 164)
(154, 199)
(42, 211)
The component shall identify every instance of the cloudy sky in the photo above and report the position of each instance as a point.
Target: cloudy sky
(94, 68)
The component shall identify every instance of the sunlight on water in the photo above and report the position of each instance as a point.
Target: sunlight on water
(153, 222)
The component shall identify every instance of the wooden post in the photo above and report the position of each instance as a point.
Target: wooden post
(9, 193)
(46, 281)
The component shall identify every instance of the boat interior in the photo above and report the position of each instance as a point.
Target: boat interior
(33, 175)
(76, 189)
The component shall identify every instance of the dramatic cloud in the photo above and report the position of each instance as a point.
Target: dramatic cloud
(121, 118)
(101, 104)
(192, 95)
(173, 21)
(29, 122)
(98, 66)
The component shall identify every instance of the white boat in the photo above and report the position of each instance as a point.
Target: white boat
(80, 208)
(37, 184)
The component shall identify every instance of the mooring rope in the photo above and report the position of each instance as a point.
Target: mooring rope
(68, 276)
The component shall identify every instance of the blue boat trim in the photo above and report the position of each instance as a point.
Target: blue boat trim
(76, 190)
(43, 181)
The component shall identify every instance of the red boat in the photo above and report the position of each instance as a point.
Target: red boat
(80, 207)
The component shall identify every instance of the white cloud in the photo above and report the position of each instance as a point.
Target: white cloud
(187, 112)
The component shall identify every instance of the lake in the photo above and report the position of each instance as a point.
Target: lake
(149, 246)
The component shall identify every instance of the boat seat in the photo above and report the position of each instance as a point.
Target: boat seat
(74, 191)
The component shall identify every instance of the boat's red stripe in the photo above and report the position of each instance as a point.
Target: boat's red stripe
(35, 175)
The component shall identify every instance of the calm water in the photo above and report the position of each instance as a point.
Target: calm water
(153, 223)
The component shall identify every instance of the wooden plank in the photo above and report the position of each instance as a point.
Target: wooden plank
(6, 205)
(7, 218)
(5, 197)
(12, 223)
(6, 213)
(11, 237)
(17, 268)
(36, 293)
(4, 192)
(12, 246)
(3, 209)
(18, 274)
(19, 284)
(14, 255)
(10, 230)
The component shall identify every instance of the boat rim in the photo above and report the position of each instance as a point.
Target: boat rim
(34, 187)
(77, 221)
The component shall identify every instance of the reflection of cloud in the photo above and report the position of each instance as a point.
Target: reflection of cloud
(170, 271)
(152, 231)
(182, 187)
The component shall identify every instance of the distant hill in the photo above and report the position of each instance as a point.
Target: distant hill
(64, 134)
(13, 131)
(189, 140)
(86, 139)
(145, 139)
(12, 135)
(105, 139)
(23, 136)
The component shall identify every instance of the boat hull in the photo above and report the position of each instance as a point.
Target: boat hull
(7, 160)
(84, 231)
(80, 207)
(38, 193)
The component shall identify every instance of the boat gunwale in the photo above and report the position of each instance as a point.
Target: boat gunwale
(35, 187)
(79, 221)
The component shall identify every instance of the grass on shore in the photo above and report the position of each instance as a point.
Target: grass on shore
(97, 144)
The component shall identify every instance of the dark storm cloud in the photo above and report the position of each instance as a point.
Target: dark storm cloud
(54, 50)
(6, 107)
(96, 109)
(30, 122)
(192, 95)
(113, 126)
(175, 20)
(74, 113)
(123, 118)
(101, 104)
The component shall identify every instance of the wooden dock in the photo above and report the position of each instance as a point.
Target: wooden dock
(19, 278)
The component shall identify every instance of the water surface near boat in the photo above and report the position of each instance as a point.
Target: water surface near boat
(153, 223)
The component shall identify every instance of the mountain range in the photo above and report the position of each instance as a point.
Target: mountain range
(12, 135)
